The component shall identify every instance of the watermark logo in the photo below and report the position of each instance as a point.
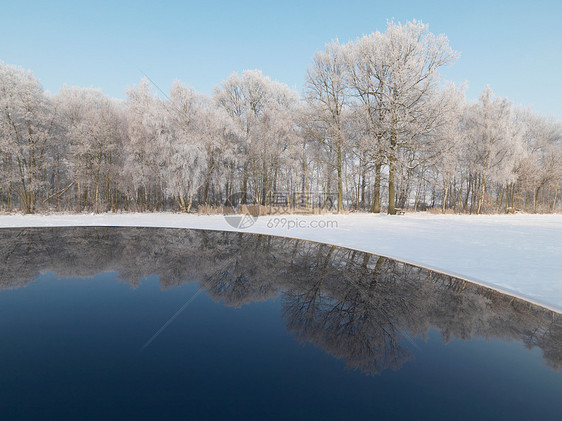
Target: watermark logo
(239, 210)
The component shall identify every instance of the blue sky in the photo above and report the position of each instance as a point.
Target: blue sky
(515, 47)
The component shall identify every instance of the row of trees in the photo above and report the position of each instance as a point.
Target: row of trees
(375, 126)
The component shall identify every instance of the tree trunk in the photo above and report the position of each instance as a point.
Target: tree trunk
(445, 196)
(363, 186)
(391, 192)
(339, 170)
(79, 204)
(391, 173)
(482, 194)
(536, 199)
(377, 190)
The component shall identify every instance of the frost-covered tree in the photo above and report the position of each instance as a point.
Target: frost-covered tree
(182, 145)
(541, 169)
(396, 76)
(218, 132)
(441, 153)
(95, 131)
(165, 140)
(493, 145)
(27, 131)
(262, 112)
(327, 94)
(146, 123)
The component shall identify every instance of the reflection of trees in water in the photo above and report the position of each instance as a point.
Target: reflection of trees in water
(356, 306)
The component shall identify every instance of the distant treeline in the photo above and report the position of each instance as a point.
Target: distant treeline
(375, 127)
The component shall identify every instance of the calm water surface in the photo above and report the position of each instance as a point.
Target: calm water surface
(120, 323)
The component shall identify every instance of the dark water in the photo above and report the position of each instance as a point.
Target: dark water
(119, 323)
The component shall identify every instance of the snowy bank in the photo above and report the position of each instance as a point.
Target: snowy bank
(518, 254)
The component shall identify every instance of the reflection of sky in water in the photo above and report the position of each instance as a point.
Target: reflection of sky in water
(74, 344)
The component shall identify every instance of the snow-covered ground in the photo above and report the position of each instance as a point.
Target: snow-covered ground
(519, 254)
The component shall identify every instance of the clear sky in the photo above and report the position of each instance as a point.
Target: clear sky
(514, 46)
